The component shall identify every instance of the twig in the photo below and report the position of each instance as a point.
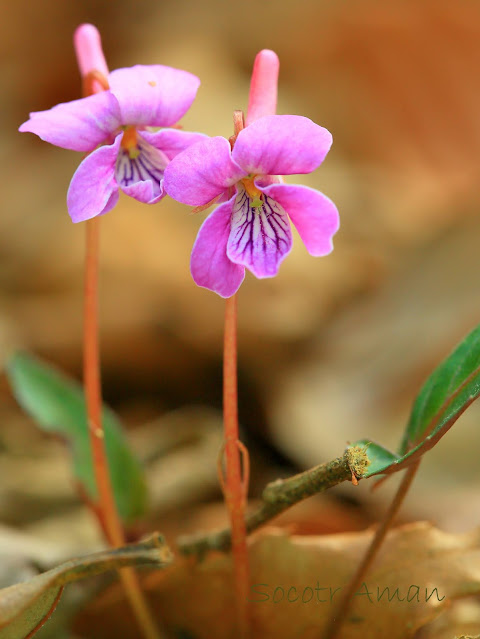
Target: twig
(280, 495)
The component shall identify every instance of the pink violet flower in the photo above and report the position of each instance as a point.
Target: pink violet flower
(116, 128)
(251, 229)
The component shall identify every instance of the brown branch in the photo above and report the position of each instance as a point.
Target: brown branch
(280, 495)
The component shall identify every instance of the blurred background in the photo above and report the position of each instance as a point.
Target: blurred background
(331, 350)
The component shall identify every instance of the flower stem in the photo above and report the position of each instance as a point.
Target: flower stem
(91, 374)
(94, 72)
(106, 506)
(338, 617)
(235, 486)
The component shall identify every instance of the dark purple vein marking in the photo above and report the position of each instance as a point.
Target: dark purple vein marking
(149, 165)
(260, 237)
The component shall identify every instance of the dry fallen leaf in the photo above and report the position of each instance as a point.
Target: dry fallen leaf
(297, 580)
(462, 619)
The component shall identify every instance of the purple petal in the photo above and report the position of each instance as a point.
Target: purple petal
(172, 141)
(88, 49)
(281, 145)
(141, 176)
(112, 202)
(202, 172)
(209, 264)
(313, 214)
(153, 95)
(80, 125)
(93, 189)
(143, 192)
(262, 99)
(260, 236)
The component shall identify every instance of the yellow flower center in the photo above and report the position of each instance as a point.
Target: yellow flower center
(252, 191)
(129, 142)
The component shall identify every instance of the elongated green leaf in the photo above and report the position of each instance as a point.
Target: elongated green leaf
(57, 404)
(447, 393)
(24, 607)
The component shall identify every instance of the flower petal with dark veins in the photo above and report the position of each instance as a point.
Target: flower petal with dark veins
(140, 174)
(260, 236)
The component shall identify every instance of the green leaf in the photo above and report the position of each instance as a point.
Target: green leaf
(447, 393)
(57, 404)
(379, 457)
(449, 390)
(25, 607)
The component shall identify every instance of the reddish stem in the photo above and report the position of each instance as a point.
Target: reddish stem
(262, 101)
(93, 396)
(94, 76)
(105, 505)
(94, 82)
(235, 485)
